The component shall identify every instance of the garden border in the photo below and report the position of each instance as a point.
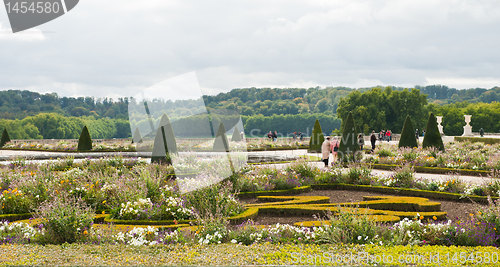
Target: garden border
(403, 191)
(433, 170)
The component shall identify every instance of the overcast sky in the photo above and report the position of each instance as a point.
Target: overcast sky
(115, 48)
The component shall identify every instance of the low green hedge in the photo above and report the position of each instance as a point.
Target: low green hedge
(485, 140)
(434, 170)
(249, 213)
(15, 217)
(285, 192)
(403, 191)
(67, 151)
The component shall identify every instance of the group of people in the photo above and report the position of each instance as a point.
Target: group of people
(385, 135)
(274, 136)
(333, 146)
(329, 146)
(417, 133)
(297, 135)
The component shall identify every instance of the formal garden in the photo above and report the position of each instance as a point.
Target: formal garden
(117, 203)
(223, 211)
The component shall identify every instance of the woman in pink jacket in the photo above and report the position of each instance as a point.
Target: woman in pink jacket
(334, 146)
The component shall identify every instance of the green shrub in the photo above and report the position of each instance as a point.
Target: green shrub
(359, 175)
(384, 152)
(349, 142)
(408, 135)
(317, 138)
(236, 135)
(306, 171)
(432, 136)
(214, 200)
(403, 176)
(137, 138)
(65, 219)
(165, 144)
(221, 144)
(13, 201)
(85, 142)
(346, 227)
(5, 138)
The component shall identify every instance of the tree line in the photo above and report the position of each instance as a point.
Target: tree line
(384, 108)
(56, 126)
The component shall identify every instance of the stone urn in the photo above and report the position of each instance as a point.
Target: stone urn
(467, 127)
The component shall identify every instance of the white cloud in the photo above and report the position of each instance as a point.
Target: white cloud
(117, 47)
(465, 83)
(30, 35)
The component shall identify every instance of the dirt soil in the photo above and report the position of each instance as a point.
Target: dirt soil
(455, 210)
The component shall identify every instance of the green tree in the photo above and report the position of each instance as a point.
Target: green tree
(408, 138)
(432, 136)
(5, 138)
(349, 141)
(165, 144)
(221, 143)
(317, 138)
(85, 141)
(236, 135)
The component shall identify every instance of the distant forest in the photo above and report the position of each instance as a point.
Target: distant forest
(261, 108)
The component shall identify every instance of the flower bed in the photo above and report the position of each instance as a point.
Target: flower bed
(457, 155)
(130, 190)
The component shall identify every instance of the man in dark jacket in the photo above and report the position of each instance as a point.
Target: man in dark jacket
(373, 139)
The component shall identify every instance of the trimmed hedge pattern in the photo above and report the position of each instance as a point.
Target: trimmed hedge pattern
(485, 140)
(435, 170)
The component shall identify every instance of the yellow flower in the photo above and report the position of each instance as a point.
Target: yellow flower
(434, 217)
(472, 215)
(421, 217)
(85, 232)
(103, 201)
(103, 212)
(479, 213)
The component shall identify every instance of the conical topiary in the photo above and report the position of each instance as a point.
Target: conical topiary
(408, 135)
(236, 135)
(5, 138)
(136, 138)
(349, 140)
(165, 144)
(85, 142)
(317, 138)
(221, 144)
(432, 136)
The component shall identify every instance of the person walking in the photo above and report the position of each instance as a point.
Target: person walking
(416, 135)
(325, 150)
(301, 136)
(270, 135)
(334, 147)
(361, 141)
(387, 134)
(275, 136)
(373, 139)
(381, 135)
